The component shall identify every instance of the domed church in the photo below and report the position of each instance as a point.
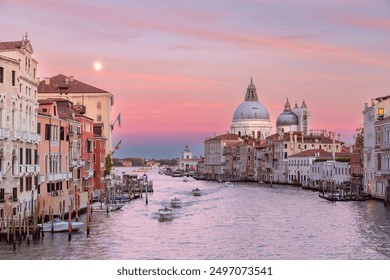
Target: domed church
(296, 119)
(251, 117)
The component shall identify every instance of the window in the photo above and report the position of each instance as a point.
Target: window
(39, 128)
(99, 105)
(13, 78)
(99, 118)
(1, 75)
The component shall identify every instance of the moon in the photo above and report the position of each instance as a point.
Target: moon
(98, 66)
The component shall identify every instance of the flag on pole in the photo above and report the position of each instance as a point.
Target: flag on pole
(116, 147)
(119, 119)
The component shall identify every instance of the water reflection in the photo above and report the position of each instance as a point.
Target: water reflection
(242, 221)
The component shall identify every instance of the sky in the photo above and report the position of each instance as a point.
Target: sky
(178, 69)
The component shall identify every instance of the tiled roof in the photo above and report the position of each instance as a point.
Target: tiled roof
(11, 45)
(64, 84)
(312, 153)
(228, 136)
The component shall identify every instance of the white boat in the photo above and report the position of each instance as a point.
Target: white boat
(61, 225)
(228, 184)
(116, 206)
(196, 192)
(165, 213)
(175, 202)
(185, 179)
(100, 207)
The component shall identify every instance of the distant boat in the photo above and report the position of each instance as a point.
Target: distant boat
(339, 197)
(177, 173)
(196, 192)
(175, 202)
(185, 179)
(165, 213)
(228, 184)
(61, 226)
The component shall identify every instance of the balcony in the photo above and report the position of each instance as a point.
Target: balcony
(30, 168)
(4, 133)
(31, 137)
(17, 135)
(38, 139)
(24, 135)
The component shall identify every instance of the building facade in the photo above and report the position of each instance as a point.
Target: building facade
(98, 102)
(19, 160)
(377, 111)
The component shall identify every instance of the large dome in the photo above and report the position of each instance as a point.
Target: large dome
(251, 110)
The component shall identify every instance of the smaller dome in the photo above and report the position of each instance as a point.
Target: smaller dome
(287, 118)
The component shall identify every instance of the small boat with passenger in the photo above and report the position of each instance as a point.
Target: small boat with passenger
(196, 192)
(165, 213)
(175, 202)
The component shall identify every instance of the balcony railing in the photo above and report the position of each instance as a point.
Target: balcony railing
(4, 132)
(16, 134)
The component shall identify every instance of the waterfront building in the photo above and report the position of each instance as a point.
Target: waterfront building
(19, 159)
(282, 145)
(296, 119)
(55, 177)
(260, 163)
(97, 101)
(356, 165)
(244, 159)
(87, 156)
(251, 117)
(335, 171)
(381, 185)
(377, 111)
(214, 160)
(99, 156)
(187, 162)
(309, 167)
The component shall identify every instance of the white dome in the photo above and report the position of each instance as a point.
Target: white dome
(251, 110)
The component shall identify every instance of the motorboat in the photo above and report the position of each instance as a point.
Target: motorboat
(116, 206)
(196, 192)
(100, 207)
(59, 225)
(185, 179)
(175, 202)
(228, 184)
(165, 213)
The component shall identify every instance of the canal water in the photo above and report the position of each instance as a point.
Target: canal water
(242, 221)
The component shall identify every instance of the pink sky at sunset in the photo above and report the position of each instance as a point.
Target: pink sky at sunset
(178, 69)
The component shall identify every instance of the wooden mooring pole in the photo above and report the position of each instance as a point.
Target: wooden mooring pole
(70, 223)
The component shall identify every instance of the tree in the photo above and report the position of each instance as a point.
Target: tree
(108, 165)
(359, 136)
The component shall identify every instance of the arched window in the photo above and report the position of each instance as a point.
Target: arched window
(21, 117)
(1, 113)
(239, 134)
(13, 116)
(14, 163)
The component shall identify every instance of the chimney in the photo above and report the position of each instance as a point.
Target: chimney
(47, 81)
(66, 81)
(71, 78)
(365, 105)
